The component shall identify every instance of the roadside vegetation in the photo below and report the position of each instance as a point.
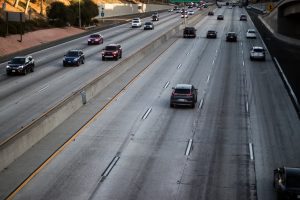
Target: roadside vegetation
(58, 14)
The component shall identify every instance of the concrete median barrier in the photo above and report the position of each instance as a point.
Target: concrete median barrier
(24, 139)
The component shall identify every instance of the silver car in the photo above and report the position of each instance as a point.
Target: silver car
(257, 53)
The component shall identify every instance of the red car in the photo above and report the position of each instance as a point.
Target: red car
(95, 39)
(113, 51)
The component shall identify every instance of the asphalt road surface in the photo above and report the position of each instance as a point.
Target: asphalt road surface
(244, 125)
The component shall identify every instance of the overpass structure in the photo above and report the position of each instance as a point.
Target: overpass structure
(285, 19)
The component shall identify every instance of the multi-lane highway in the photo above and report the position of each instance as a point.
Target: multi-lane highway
(243, 126)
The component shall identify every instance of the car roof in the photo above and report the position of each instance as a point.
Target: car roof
(257, 47)
(74, 50)
(136, 19)
(231, 33)
(292, 171)
(191, 27)
(112, 45)
(183, 86)
(251, 29)
(17, 57)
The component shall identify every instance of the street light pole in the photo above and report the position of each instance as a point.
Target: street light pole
(79, 15)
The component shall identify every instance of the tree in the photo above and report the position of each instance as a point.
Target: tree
(59, 14)
(88, 9)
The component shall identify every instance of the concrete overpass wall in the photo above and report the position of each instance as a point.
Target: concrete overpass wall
(111, 10)
(288, 19)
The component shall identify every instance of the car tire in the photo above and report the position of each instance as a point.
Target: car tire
(78, 63)
(82, 62)
(193, 105)
(8, 73)
(251, 58)
(171, 105)
(103, 58)
(32, 69)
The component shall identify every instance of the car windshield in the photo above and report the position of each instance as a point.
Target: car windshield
(148, 23)
(251, 31)
(94, 36)
(111, 48)
(182, 91)
(211, 31)
(293, 181)
(18, 61)
(135, 21)
(231, 34)
(72, 53)
(258, 50)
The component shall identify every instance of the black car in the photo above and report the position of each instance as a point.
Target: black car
(211, 34)
(210, 13)
(20, 65)
(113, 51)
(183, 94)
(73, 57)
(220, 17)
(155, 17)
(243, 17)
(286, 182)
(148, 26)
(189, 32)
(231, 37)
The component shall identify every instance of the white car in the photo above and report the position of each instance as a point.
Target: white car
(251, 33)
(136, 23)
(257, 53)
(190, 12)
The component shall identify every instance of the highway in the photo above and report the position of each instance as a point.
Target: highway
(23, 99)
(243, 126)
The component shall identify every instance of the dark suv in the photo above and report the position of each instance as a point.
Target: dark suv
(73, 57)
(189, 32)
(231, 37)
(183, 94)
(287, 182)
(113, 51)
(243, 17)
(21, 65)
(211, 34)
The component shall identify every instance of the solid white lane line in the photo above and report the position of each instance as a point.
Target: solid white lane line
(189, 147)
(251, 151)
(147, 113)
(167, 84)
(178, 67)
(213, 62)
(110, 166)
(243, 63)
(247, 107)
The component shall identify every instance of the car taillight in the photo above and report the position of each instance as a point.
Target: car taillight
(115, 52)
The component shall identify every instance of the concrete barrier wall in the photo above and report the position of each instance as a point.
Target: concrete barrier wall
(111, 10)
(31, 134)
